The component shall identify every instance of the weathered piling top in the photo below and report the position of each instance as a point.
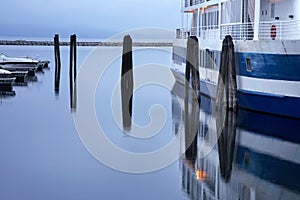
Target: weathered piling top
(108, 44)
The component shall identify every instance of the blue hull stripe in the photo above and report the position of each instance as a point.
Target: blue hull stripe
(264, 66)
(269, 66)
(287, 106)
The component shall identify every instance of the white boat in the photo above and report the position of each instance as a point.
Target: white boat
(4, 73)
(11, 63)
(267, 49)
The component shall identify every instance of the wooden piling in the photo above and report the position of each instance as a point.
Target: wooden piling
(73, 71)
(192, 65)
(232, 93)
(227, 86)
(192, 97)
(226, 106)
(57, 63)
(127, 82)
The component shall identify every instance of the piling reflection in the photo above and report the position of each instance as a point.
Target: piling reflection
(226, 129)
(249, 161)
(191, 174)
(191, 122)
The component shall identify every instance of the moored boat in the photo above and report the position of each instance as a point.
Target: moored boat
(266, 44)
(13, 64)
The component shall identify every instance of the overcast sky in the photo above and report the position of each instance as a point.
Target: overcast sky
(88, 18)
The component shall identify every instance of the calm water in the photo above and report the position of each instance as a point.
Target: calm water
(42, 156)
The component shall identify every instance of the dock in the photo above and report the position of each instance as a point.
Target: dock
(91, 44)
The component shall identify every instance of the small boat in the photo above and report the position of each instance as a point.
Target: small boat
(12, 63)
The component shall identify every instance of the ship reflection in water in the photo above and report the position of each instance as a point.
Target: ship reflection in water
(237, 156)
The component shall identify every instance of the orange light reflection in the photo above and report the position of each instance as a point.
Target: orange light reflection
(201, 175)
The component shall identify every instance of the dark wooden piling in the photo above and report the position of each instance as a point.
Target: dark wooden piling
(226, 106)
(73, 71)
(232, 89)
(127, 82)
(192, 65)
(227, 86)
(57, 63)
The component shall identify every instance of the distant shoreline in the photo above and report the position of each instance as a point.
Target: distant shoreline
(103, 44)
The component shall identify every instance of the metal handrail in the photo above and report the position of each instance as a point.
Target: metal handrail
(188, 3)
(282, 30)
(268, 30)
(238, 31)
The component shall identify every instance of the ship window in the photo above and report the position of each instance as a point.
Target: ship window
(204, 21)
(210, 20)
(202, 58)
(262, 12)
(248, 65)
(272, 10)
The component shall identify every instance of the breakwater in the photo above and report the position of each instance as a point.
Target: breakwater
(108, 44)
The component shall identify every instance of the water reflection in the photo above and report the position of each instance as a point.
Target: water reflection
(256, 155)
(226, 129)
(5, 98)
(191, 122)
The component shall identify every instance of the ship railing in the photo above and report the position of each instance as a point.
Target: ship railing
(185, 33)
(181, 33)
(279, 30)
(188, 3)
(268, 30)
(238, 31)
(210, 32)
